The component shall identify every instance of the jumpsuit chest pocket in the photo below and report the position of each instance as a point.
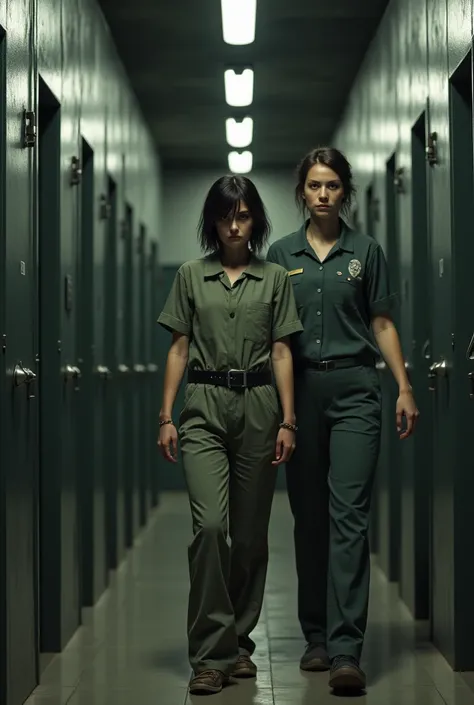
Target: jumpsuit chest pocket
(258, 322)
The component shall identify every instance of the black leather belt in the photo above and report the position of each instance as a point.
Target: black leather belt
(327, 365)
(232, 379)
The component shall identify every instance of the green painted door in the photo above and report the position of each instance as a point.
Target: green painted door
(19, 400)
(141, 377)
(85, 363)
(59, 528)
(154, 282)
(112, 476)
(127, 410)
(417, 465)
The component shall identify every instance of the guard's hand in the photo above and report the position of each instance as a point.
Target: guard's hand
(168, 442)
(406, 407)
(285, 445)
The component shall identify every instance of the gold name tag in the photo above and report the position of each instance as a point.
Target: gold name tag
(295, 271)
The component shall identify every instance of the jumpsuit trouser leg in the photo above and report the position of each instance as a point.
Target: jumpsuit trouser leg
(337, 446)
(227, 444)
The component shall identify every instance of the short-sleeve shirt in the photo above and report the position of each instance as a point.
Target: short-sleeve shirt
(337, 298)
(231, 326)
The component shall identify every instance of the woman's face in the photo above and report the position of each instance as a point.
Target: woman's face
(235, 229)
(323, 192)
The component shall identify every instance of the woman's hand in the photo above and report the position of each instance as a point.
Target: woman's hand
(406, 407)
(168, 442)
(285, 445)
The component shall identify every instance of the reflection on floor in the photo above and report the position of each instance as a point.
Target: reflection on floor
(132, 647)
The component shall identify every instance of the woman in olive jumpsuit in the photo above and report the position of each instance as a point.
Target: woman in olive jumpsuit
(231, 315)
(343, 298)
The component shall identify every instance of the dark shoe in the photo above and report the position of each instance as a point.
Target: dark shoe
(244, 668)
(346, 675)
(208, 682)
(315, 658)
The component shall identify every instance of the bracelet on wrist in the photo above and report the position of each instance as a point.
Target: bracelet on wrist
(166, 421)
(289, 426)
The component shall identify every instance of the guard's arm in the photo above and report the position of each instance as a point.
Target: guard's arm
(282, 362)
(176, 364)
(389, 345)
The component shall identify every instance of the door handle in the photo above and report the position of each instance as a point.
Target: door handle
(441, 369)
(432, 376)
(103, 372)
(153, 368)
(437, 369)
(425, 350)
(471, 378)
(470, 349)
(68, 372)
(139, 368)
(23, 375)
(123, 369)
(76, 376)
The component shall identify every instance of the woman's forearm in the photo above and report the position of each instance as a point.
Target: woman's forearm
(175, 367)
(388, 342)
(282, 362)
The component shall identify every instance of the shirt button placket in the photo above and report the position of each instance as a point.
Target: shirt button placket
(319, 313)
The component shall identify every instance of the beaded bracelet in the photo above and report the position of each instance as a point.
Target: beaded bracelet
(289, 427)
(168, 421)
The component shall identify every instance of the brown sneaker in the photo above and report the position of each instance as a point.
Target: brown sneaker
(244, 668)
(208, 682)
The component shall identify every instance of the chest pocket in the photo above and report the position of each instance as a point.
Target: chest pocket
(347, 292)
(258, 322)
(297, 282)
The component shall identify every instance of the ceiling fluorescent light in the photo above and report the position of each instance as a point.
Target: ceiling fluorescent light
(239, 88)
(238, 21)
(240, 163)
(239, 134)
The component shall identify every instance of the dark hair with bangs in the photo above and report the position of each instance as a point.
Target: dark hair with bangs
(335, 160)
(223, 199)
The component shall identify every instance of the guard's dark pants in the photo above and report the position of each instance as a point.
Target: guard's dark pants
(330, 479)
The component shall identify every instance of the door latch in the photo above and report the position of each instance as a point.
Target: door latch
(470, 349)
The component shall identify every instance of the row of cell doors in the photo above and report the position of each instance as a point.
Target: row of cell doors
(423, 521)
(78, 399)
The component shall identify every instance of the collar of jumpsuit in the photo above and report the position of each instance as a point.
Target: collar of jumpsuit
(213, 267)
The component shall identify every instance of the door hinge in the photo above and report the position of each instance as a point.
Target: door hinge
(432, 149)
(104, 208)
(29, 128)
(398, 180)
(76, 171)
(4, 342)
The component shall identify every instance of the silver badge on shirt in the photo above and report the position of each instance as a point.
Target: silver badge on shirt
(355, 268)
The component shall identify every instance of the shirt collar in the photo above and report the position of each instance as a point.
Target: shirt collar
(346, 239)
(213, 267)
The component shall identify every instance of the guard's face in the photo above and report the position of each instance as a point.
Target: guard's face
(323, 192)
(235, 229)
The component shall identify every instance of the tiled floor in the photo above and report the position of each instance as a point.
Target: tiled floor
(132, 647)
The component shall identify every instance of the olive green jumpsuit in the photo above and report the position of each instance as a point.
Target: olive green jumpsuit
(338, 411)
(228, 440)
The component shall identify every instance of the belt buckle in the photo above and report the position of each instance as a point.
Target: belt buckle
(238, 386)
(327, 365)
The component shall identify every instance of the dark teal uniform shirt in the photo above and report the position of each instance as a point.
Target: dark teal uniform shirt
(336, 299)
